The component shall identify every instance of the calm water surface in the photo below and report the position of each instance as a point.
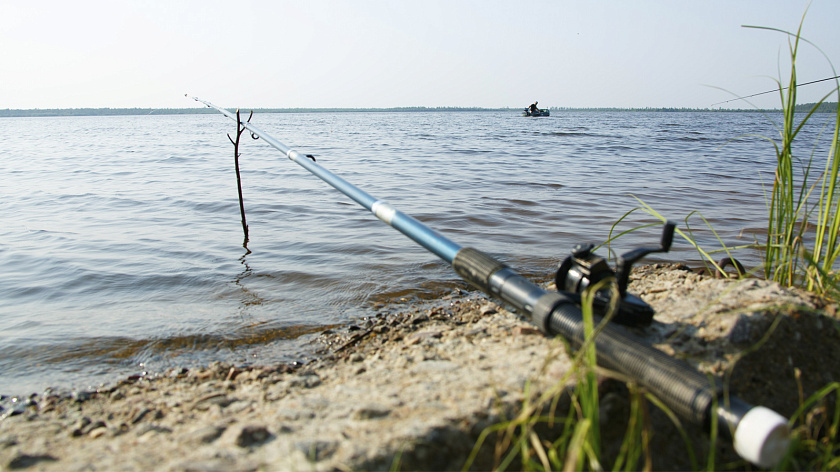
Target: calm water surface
(122, 252)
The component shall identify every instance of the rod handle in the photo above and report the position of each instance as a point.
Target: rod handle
(760, 435)
(685, 390)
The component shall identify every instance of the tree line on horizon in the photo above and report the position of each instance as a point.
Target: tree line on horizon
(825, 107)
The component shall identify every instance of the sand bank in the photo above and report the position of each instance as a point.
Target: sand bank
(414, 390)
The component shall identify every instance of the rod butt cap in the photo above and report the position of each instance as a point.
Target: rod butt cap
(762, 437)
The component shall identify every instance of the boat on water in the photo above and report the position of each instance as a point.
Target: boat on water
(537, 112)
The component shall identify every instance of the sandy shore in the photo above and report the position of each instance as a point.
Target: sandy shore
(414, 390)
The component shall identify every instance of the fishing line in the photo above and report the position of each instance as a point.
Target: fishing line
(776, 90)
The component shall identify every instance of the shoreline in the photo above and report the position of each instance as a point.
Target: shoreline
(415, 389)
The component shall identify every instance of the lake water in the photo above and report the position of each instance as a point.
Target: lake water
(121, 245)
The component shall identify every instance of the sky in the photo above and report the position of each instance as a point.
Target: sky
(377, 53)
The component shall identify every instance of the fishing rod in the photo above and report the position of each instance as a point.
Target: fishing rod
(759, 435)
(775, 90)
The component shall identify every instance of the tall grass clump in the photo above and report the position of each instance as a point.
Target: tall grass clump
(793, 204)
(802, 244)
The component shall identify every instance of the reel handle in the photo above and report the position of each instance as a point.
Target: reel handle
(625, 262)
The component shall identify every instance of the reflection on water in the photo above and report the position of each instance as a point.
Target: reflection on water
(121, 240)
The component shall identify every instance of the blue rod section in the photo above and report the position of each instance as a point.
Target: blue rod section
(417, 231)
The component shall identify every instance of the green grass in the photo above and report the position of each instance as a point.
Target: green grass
(788, 259)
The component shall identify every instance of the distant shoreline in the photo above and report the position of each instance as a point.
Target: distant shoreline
(38, 112)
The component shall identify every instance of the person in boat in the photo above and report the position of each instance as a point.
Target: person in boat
(534, 108)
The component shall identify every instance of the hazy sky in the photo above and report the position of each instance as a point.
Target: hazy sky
(366, 53)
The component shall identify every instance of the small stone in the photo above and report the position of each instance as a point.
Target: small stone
(147, 428)
(138, 416)
(82, 422)
(252, 435)
(78, 429)
(206, 434)
(23, 461)
(489, 309)
(239, 407)
(371, 412)
(95, 425)
(419, 318)
(217, 398)
(118, 430)
(97, 432)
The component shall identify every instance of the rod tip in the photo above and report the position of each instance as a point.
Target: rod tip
(762, 437)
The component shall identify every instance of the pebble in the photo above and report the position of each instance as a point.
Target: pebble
(217, 398)
(371, 412)
(24, 461)
(145, 429)
(206, 434)
(139, 415)
(488, 309)
(252, 435)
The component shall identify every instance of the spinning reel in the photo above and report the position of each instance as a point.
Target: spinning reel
(583, 269)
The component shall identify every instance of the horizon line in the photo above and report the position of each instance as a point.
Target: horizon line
(104, 111)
